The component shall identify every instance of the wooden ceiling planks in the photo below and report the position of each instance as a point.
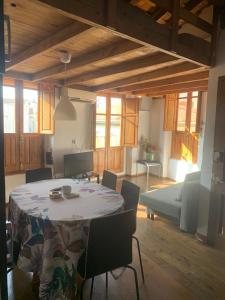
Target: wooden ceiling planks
(165, 82)
(31, 23)
(180, 68)
(100, 59)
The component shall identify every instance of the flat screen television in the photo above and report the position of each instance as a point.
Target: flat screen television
(78, 164)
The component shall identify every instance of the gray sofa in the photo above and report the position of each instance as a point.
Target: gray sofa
(179, 202)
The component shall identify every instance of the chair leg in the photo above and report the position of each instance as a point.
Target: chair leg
(106, 280)
(139, 253)
(92, 287)
(81, 289)
(136, 281)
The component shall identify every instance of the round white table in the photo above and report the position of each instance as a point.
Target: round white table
(52, 234)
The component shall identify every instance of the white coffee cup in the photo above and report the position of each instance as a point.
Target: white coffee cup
(66, 189)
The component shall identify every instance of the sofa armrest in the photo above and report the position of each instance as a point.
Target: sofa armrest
(189, 208)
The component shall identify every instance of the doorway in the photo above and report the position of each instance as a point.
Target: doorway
(23, 143)
(109, 148)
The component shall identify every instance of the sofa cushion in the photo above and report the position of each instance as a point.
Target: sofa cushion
(192, 176)
(164, 200)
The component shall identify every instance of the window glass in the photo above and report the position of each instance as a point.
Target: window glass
(181, 115)
(194, 109)
(195, 94)
(9, 107)
(183, 95)
(115, 131)
(101, 105)
(116, 106)
(100, 131)
(30, 111)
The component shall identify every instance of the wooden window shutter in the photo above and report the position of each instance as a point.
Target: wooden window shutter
(170, 112)
(47, 106)
(130, 122)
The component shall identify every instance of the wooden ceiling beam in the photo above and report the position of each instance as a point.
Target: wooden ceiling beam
(165, 82)
(49, 43)
(160, 73)
(131, 23)
(18, 75)
(186, 15)
(115, 49)
(182, 86)
(130, 65)
(179, 86)
(174, 91)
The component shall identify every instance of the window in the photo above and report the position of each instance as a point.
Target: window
(108, 121)
(9, 107)
(100, 131)
(30, 111)
(115, 122)
(185, 136)
(188, 112)
(182, 112)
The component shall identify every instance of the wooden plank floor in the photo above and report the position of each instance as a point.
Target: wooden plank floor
(176, 265)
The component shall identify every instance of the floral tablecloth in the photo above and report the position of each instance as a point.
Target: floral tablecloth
(51, 234)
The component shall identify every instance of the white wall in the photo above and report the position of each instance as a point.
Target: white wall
(207, 160)
(133, 154)
(79, 130)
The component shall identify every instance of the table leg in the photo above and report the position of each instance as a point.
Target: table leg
(136, 169)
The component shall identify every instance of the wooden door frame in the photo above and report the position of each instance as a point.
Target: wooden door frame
(3, 259)
(217, 192)
(108, 114)
(19, 86)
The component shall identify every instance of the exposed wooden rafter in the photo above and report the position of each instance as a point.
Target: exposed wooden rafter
(167, 71)
(186, 15)
(115, 49)
(49, 43)
(134, 64)
(200, 85)
(165, 82)
(143, 30)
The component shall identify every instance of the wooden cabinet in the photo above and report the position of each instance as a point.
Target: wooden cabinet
(170, 112)
(47, 106)
(130, 122)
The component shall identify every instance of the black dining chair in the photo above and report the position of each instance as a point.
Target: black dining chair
(109, 247)
(130, 193)
(38, 174)
(109, 180)
(9, 247)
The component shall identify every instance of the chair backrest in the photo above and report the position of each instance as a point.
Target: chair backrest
(38, 174)
(109, 180)
(109, 243)
(130, 193)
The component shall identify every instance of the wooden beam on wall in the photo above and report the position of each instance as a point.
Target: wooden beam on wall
(49, 43)
(134, 64)
(131, 23)
(165, 82)
(160, 73)
(115, 49)
(196, 85)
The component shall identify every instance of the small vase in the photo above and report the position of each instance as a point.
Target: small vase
(150, 156)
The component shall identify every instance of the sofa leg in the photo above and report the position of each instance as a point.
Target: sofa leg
(152, 216)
